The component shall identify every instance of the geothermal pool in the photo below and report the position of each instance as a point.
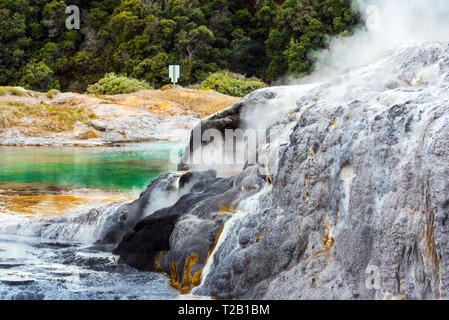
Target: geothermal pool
(40, 182)
(53, 181)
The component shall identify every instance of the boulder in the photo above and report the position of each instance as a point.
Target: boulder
(172, 237)
(88, 135)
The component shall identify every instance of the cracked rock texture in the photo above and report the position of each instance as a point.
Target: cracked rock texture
(354, 178)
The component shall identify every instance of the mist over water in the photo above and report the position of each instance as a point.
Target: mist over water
(390, 24)
(46, 228)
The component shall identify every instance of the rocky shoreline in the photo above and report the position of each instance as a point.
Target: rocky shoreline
(149, 115)
(20, 141)
(349, 199)
(357, 188)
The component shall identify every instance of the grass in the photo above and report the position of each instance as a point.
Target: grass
(46, 117)
(201, 102)
(52, 93)
(12, 91)
(37, 115)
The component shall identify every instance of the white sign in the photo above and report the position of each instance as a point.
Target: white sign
(174, 72)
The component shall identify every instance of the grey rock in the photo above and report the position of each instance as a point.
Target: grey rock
(166, 238)
(353, 205)
(363, 182)
(230, 118)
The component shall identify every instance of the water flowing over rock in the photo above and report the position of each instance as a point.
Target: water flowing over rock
(81, 227)
(348, 201)
(358, 184)
(178, 239)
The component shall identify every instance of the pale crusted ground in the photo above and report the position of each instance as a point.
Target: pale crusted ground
(200, 103)
(87, 120)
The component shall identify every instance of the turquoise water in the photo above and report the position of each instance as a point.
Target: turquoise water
(126, 169)
(40, 182)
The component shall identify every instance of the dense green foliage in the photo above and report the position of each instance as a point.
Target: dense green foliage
(262, 38)
(117, 84)
(231, 84)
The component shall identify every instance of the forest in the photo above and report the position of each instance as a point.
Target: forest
(265, 39)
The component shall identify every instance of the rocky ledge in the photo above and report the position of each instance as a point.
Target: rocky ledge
(146, 115)
(353, 203)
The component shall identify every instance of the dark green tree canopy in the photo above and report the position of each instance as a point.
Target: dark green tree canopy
(266, 39)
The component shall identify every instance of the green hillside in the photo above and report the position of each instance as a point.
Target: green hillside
(258, 38)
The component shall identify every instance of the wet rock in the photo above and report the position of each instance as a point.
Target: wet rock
(140, 247)
(359, 191)
(178, 239)
(229, 118)
(28, 296)
(21, 282)
(127, 215)
(351, 201)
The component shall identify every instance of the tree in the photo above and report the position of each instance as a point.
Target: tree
(38, 76)
(197, 42)
(153, 69)
(267, 39)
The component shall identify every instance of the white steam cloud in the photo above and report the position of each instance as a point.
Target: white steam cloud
(389, 24)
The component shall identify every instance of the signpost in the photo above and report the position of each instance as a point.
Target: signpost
(174, 72)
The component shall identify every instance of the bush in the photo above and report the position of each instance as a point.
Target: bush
(12, 91)
(167, 87)
(38, 76)
(117, 84)
(232, 84)
(52, 93)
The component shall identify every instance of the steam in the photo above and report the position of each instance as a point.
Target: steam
(390, 24)
(262, 115)
(160, 199)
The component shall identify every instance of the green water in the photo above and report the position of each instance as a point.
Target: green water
(126, 169)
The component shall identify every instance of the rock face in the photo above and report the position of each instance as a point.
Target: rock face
(355, 205)
(111, 120)
(171, 238)
(230, 118)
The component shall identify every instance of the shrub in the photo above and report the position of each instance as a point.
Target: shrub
(167, 87)
(232, 84)
(117, 84)
(38, 76)
(52, 93)
(12, 91)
